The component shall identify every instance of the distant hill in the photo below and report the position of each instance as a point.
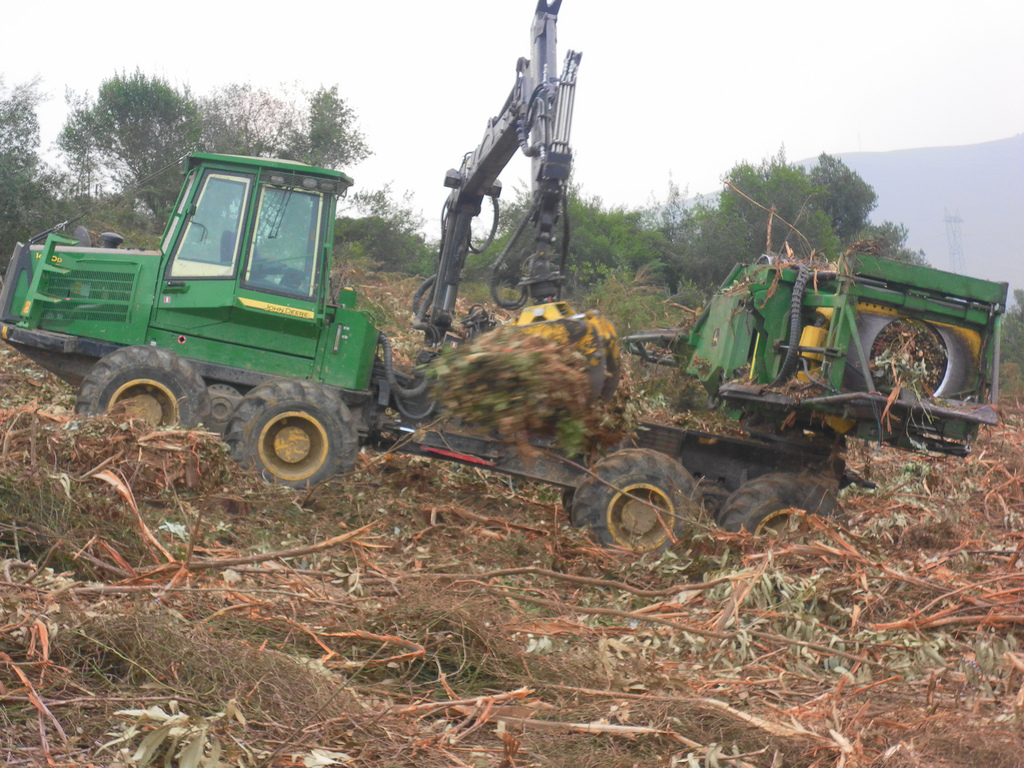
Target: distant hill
(983, 183)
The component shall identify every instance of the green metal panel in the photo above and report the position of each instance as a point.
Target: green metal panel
(770, 304)
(722, 341)
(209, 311)
(249, 358)
(347, 349)
(95, 293)
(741, 325)
(918, 279)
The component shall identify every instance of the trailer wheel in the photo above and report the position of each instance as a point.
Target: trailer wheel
(150, 383)
(637, 499)
(296, 433)
(766, 501)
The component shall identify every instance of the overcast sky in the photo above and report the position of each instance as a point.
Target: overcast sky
(666, 89)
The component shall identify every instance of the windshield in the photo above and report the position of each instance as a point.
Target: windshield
(284, 255)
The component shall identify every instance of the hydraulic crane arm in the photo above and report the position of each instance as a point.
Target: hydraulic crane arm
(536, 119)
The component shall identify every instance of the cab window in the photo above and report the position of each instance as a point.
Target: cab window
(178, 213)
(285, 251)
(210, 244)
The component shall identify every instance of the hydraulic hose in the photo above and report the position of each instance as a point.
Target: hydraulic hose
(493, 232)
(795, 304)
(389, 373)
(422, 298)
(492, 281)
(563, 262)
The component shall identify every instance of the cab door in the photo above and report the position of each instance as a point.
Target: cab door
(194, 296)
(248, 302)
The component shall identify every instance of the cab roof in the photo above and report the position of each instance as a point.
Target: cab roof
(269, 163)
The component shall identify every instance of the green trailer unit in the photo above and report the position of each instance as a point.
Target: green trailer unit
(899, 353)
(804, 355)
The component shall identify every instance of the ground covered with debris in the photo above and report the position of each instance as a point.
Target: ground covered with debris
(160, 606)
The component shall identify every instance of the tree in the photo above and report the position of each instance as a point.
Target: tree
(78, 145)
(719, 241)
(25, 187)
(779, 206)
(328, 136)
(136, 128)
(675, 220)
(847, 199)
(238, 119)
(387, 232)
(889, 240)
(319, 130)
(1012, 347)
(606, 240)
(768, 208)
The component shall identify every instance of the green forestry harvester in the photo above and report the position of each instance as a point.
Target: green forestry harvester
(232, 323)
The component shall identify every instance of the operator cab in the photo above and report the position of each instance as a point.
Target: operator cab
(247, 265)
(291, 211)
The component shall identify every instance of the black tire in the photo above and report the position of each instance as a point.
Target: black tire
(767, 499)
(224, 398)
(151, 383)
(636, 499)
(296, 433)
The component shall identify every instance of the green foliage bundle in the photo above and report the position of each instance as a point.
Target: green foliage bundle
(908, 355)
(523, 386)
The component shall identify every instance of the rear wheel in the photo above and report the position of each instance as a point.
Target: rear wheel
(637, 499)
(295, 432)
(224, 398)
(149, 383)
(766, 502)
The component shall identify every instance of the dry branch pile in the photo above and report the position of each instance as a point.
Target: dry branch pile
(377, 622)
(908, 355)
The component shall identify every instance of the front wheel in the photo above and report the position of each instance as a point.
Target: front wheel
(766, 502)
(149, 383)
(295, 432)
(636, 499)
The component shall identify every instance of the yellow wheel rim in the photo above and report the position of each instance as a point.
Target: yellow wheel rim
(148, 400)
(293, 446)
(778, 521)
(640, 517)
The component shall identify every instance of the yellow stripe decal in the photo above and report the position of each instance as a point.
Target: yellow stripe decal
(277, 308)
